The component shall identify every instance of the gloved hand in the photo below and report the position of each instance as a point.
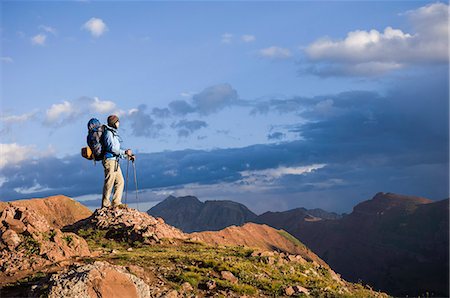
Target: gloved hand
(133, 157)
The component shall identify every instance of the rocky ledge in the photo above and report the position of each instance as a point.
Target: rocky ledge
(128, 225)
(28, 242)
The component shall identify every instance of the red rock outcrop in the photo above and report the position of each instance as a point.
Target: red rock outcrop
(29, 242)
(58, 211)
(127, 224)
(99, 279)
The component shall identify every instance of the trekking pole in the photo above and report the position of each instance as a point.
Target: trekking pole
(135, 182)
(126, 184)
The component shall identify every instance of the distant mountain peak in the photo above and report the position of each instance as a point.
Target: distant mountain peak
(188, 198)
(394, 196)
(386, 201)
(190, 214)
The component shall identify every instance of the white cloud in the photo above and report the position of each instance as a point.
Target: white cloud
(187, 94)
(430, 20)
(28, 190)
(275, 52)
(360, 46)
(60, 113)
(269, 175)
(57, 112)
(248, 38)
(227, 38)
(48, 29)
(14, 153)
(3, 180)
(373, 52)
(96, 26)
(122, 113)
(39, 39)
(6, 59)
(10, 119)
(102, 106)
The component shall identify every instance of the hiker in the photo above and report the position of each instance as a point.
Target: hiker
(113, 173)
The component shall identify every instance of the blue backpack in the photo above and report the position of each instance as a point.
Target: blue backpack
(95, 149)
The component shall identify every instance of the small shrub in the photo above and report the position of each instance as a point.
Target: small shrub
(191, 277)
(30, 245)
(52, 235)
(68, 239)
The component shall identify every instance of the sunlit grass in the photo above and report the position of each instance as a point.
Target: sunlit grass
(198, 263)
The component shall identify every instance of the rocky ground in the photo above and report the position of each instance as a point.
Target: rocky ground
(28, 243)
(120, 252)
(127, 225)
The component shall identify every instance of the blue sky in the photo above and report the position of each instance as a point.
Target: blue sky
(275, 105)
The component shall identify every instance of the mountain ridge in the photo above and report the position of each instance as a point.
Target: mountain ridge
(58, 210)
(388, 237)
(119, 251)
(408, 231)
(189, 214)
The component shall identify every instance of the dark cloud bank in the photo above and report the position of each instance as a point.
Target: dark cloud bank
(397, 142)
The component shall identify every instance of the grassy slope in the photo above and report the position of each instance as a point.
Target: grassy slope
(178, 261)
(197, 263)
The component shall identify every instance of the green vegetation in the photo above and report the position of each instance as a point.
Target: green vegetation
(68, 239)
(197, 264)
(290, 238)
(30, 245)
(97, 238)
(52, 235)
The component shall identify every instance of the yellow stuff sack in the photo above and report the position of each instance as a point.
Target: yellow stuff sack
(86, 152)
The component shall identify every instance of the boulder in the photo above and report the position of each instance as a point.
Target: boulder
(127, 224)
(227, 275)
(289, 291)
(99, 279)
(300, 290)
(11, 239)
(187, 287)
(211, 284)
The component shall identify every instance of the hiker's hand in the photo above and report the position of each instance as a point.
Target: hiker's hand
(133, 157)
(128, 152)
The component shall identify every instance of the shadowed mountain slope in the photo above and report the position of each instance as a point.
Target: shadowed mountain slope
(191, 215)
(289, 220)
(396, 243)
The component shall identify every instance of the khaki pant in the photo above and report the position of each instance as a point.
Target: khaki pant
(113, 178)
